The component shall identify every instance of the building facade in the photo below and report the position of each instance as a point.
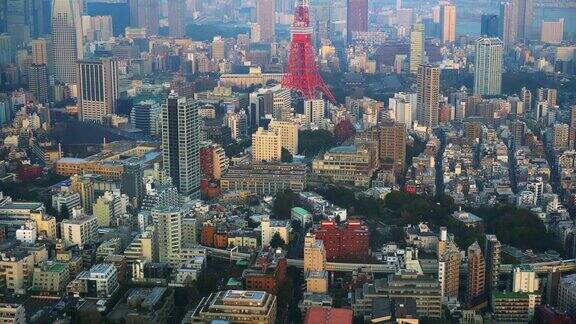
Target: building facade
(488, 67)
(67, 39)
(181, 143)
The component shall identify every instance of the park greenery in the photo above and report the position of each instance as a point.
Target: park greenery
(286, 157)
(513, 226)
(312, 142)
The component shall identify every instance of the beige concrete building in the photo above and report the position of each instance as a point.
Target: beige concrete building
(352, 165)
(560, 136)
(314, 254)
(552, 32)
(317, 281)
(236, 306)
(79, 231)
(45, 224)
(169, 226)
(84, 187)
(142, 247)
(12, 314)
(266, 146)
(269, 227)
(254, 77)
(288, 132)
(524, 279)
(51, 277)
(265, 179)
(393, 145)
(16, 271)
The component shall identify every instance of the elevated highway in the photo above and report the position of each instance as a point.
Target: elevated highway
(567, 265)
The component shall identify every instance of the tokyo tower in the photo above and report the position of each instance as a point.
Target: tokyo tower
(302, 74)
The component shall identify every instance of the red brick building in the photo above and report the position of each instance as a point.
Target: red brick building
(321, 315)
(267, 273)
(207, 236)
(346, 243)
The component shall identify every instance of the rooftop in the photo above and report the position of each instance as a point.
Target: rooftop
(300, 211)
(509, 295)
(54, 267)
(344, 149)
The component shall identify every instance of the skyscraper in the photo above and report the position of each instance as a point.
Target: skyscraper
(38, 81)
(493, 259)
(524, 14)
(67, 39)
(508, 24)
(23, 19)
(356, 17)
(488, 67)
(145, 14)
(416, 47)
(393, 145)
(448, 23)
(428, 95)
(42, 51)
(6, 51)
(476, 274)
(98, 88)
(265, 19)
(181, 143)
(573, 134)
(489, 26)
(176, 18)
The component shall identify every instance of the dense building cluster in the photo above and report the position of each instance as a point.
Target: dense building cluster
(287, 161)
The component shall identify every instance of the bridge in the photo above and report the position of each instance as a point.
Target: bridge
(567, 265)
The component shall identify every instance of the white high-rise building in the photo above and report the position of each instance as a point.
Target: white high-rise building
(524, 279)
(168, 223)
(314, 111)
(488, 67)
(98, 89)
(181, 143)
(67, 39)
(402, 109)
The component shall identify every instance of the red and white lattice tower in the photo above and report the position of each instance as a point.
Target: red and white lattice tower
(302, 74)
